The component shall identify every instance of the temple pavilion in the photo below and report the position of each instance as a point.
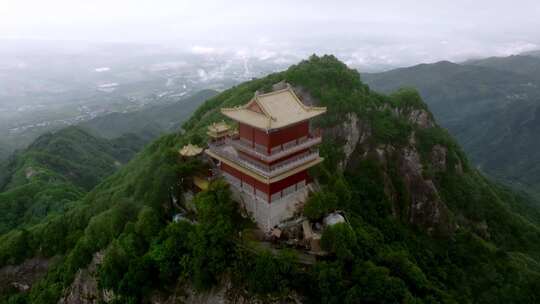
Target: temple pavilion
(267, 161)
(190, 151)
(219, 132)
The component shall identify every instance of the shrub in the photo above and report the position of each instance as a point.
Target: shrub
(148, 223)
(375, 285)
(407, 98)
(320, 203)
(340, 240)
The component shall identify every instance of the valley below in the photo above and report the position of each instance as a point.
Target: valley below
(41, 93)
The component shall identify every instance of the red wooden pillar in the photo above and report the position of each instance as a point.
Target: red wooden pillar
(252, 137)
(268, 142)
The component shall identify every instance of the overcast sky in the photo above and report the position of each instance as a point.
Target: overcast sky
(371, 32)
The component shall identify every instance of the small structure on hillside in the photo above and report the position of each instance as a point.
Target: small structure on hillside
(190, 150)
(267, 161)
(219, 132)
(311, 238)
(333, 219)
(200, 181)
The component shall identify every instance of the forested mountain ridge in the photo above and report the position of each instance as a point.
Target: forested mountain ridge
(535, 53)
(59, 167)
(519, 64)
(490, 105)
(55, 170)
(423, 225)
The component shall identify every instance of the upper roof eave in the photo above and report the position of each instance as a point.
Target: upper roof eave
(265, 120)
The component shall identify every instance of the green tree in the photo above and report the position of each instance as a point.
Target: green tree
(375, 285)
(115, 264)
(340, 239)
(171, 248)
(320, 203)
(212, 239)
(148, 223)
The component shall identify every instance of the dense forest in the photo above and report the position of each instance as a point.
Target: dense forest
(424, 226)
(56, 171)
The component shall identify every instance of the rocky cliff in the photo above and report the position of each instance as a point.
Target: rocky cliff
(424, 207)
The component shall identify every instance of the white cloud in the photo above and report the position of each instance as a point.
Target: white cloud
(203, 50)
(382, 32)
(517, 47)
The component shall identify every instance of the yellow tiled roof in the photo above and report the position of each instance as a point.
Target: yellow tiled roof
(190, 150)
(219, 127)
(278, 109)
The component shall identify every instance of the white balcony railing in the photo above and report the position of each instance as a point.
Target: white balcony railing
(267, 170)
(277, 152)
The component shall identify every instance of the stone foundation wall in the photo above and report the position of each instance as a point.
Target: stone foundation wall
(270, 215)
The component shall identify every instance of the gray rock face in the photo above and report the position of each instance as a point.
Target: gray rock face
(425, 207)
(84, 289)
(224, 293)
(438, 158)
(21, 277)
(353, 134)
(421, 118)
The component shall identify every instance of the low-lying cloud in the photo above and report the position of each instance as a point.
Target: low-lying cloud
(367, 34)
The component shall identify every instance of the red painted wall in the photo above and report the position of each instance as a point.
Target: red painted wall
(245, 131)
(291, 180)
(253, 134)
(245, 178)
(282, 136)
(272, 188)
(275, 138)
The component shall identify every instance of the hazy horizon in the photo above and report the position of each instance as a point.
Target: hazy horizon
(63, 62)
(375, 36)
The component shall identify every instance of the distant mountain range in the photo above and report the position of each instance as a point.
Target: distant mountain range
(528, 65)
(149, 122)
(491, 105)
(533, 53)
